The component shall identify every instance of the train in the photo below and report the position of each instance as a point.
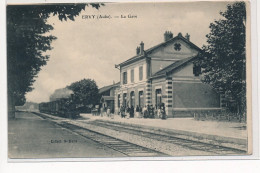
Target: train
(64, 107)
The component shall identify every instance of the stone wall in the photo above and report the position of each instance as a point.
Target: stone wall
(194, 95)
(135, 88)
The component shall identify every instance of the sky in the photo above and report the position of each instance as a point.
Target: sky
(90, 48)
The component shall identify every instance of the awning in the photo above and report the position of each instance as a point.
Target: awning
(107, 98)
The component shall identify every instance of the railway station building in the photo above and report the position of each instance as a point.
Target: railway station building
(107, 94)
(166, 73)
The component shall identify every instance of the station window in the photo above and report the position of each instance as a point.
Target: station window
(124, 99)
(132, 75)
(141, 99)
(196, 69)
(118, 100)
(125, 78)
(141, 73)
(132, 99)
(158, 97)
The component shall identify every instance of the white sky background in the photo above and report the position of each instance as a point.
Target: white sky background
(90, 48)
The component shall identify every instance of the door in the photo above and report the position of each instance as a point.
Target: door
(141, 99)
(158, 97)
(132, 99)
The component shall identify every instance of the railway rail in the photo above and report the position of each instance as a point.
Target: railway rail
(124, 147)
(174, 139)
(44, 116)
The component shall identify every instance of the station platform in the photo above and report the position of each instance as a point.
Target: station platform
(220, 131)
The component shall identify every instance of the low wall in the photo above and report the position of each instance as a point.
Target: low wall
(193, 112)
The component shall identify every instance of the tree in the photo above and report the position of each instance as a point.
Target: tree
(85, 92)
(223, 59)
(27, 42)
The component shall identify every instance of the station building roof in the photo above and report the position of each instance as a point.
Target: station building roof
(150, 50)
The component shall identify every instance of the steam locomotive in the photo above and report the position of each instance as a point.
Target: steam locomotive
(64, 107)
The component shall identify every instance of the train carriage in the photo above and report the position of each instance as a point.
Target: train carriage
(63, 107)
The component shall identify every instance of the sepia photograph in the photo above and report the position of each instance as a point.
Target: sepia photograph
(119, 80)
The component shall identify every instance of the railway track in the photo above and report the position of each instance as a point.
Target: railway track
(174, 139)
(124, 147)
(44, 116)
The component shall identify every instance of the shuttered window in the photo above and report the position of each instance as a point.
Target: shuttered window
(196, 70)
(132, 75)
(125, 78)
(141, 73)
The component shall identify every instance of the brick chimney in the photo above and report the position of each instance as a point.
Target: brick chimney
(187, 36)
(168, 35)
(137, 50)
(141, 48)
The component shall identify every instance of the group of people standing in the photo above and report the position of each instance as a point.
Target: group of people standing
(127, 111)
(148, 111)
(105, 111)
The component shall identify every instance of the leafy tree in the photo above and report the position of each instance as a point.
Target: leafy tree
(27, 42)
(85, 92)
(224, 60)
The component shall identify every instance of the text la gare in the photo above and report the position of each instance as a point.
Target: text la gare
(128, 16)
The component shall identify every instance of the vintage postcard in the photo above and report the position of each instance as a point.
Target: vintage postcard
(149, 80)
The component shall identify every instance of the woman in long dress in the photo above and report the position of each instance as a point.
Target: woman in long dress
(122, 111)
(108, 112)
(145, 112)
(159, 112)
(132, 111)
(127, 112)
(163, 112)
(137, 113)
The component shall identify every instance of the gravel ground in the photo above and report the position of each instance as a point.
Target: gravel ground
(164, 147)
(167, 148)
